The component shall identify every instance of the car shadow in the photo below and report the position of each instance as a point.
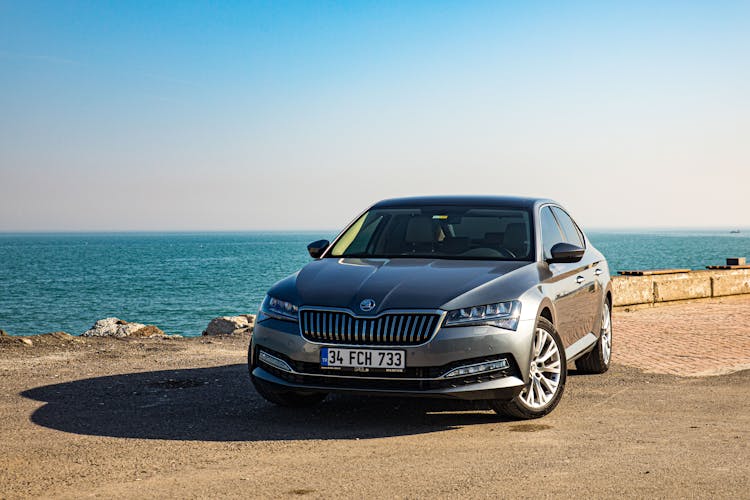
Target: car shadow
(220, 404)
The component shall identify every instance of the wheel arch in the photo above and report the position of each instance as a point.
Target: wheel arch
(547, 311)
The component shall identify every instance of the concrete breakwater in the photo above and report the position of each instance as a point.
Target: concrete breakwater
(657, 289)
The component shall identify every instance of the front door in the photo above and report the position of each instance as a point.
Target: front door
(572, 286)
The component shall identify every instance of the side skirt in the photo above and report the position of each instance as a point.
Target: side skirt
(580, 347)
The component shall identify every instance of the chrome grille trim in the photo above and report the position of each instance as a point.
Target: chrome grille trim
(323, 325)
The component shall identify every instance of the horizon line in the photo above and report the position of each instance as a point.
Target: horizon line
(333, 230)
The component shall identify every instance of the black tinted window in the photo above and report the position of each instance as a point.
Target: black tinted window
(571, 232)
(551, 234)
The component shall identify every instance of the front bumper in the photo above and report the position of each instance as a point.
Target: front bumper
(425, 364)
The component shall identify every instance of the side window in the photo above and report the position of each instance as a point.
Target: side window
(571, 231)
(551, 234)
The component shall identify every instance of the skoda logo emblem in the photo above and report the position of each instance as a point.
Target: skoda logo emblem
(367, 305)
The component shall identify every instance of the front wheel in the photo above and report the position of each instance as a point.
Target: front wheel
(547, 375)
(597, 361)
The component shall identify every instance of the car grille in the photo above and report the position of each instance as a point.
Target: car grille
(339, 327)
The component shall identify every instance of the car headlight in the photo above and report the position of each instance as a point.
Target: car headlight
(501, 314)
(279, 309)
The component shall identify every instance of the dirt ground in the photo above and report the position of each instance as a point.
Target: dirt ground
(179, 418)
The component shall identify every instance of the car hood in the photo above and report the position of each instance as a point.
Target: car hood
(392, 283)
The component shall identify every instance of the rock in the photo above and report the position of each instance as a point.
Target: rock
(112, 327)
(66, 337)
(115, 327)
(26, 341)
(3, 333)
(149, 331)
(231, 325)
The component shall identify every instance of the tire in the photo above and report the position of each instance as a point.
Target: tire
(284, 397)
(539, 397)
(598, 360)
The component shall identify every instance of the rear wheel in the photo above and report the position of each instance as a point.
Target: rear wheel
(547, 375)
(597, 361)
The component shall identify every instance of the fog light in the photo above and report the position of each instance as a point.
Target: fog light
(489, 366)
(275, 362)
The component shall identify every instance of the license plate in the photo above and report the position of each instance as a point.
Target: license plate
(333, 357)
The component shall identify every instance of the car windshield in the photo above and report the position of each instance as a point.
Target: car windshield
(443, 232)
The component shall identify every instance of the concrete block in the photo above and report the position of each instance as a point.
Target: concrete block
(694, 285)
(631, 290)
(731, 283)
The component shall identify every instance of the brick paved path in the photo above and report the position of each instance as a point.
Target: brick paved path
(690, 339)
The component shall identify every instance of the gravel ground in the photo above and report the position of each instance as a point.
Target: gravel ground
(178, 418)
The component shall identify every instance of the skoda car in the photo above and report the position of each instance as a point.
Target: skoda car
(477, 298)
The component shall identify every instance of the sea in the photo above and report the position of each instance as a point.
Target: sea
(180, 281)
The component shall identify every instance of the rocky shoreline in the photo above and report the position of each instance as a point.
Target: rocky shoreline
(116, 328)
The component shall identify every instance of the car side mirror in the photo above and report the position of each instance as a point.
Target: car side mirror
(316, 248)
(565, 253)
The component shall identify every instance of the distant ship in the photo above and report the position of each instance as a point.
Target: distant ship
(735, 231)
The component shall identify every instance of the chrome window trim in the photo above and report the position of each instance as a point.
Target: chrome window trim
(575, 225)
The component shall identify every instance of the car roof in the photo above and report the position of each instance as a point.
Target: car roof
(476, 200)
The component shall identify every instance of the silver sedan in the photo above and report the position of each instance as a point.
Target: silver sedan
(481, 298)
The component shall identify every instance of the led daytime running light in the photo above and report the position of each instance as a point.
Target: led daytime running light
(490, 366)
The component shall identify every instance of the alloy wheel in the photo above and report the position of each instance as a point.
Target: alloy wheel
(606, 334)
(544, 371)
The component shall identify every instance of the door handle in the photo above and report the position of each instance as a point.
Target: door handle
(598, 272)
(579, 280)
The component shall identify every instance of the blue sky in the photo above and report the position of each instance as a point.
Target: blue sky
(296, 115)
